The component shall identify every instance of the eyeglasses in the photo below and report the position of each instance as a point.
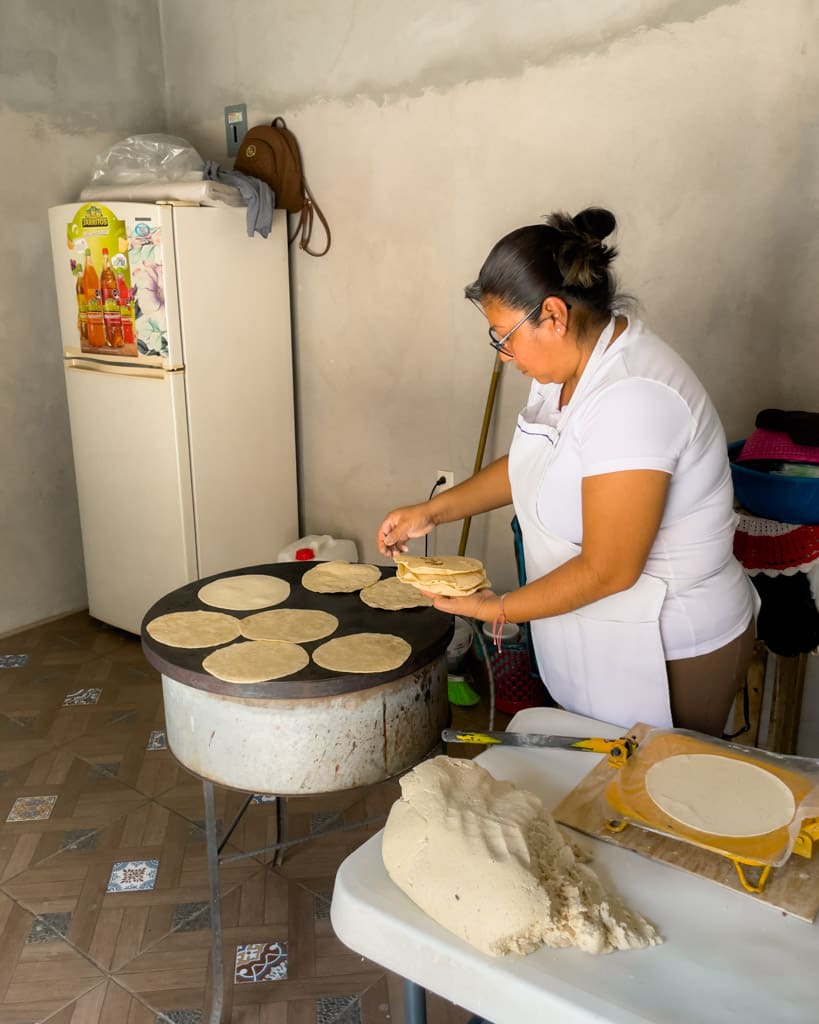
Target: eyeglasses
(499, 343)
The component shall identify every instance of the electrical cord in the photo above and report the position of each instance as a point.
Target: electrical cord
(435, 486)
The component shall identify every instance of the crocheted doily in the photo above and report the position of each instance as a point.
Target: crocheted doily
(765, 545)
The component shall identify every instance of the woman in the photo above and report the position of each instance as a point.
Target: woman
(619, 477)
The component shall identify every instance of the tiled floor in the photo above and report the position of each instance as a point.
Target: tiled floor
(104, 911)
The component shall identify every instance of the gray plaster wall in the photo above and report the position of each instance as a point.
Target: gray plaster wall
(74, 77)
(428, 130)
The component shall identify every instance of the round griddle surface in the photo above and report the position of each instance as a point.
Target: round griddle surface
(426, 630)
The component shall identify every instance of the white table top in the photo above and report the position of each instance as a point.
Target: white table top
(726, 957)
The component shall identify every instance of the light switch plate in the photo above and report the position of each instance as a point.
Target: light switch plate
(235, 126)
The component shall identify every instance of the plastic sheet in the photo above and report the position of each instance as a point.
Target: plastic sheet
(148, 158)
(629, 797)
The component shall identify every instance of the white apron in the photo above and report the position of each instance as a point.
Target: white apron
(606, 659)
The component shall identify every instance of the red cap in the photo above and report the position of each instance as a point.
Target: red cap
(305, 554)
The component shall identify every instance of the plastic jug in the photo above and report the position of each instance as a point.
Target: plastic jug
(323, 548)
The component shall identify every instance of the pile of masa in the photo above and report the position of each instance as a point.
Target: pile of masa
(487, 861)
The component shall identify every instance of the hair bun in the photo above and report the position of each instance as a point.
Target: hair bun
(581, 257)
(595, 221)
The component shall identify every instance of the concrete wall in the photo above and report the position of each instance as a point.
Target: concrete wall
(73, 78)
(428, 130)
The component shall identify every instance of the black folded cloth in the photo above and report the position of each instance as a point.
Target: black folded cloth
(788, 621)
(801, 427)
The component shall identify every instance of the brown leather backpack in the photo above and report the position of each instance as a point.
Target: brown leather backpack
(270, 152)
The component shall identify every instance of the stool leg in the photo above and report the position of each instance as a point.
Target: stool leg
(415, 1003)
(281, 829)
(217, 981)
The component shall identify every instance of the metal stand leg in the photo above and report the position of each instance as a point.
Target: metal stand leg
(415, 1003)
(217, 996)
(281, 828)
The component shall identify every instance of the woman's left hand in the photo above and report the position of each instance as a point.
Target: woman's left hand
(483, 605)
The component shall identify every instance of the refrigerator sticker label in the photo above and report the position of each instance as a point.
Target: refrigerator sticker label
(147, 270)
(98, 243)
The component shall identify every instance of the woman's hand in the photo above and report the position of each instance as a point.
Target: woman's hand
(401, 524)
(483, 605)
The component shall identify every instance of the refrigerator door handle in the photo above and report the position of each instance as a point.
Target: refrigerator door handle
(138, 372)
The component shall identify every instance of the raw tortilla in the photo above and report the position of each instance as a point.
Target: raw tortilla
(298, 625)
(392, 595)
(363, 652)
(723, 796)
(243, 593)
(194, 629)
(256, 661)
(449, 575)
(487, 861)
(340, 577)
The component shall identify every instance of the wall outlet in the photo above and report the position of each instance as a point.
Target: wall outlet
(448, 482)
(235, 127)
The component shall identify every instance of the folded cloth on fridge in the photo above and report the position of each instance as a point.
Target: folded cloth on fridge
(256, 193)
(204, 192)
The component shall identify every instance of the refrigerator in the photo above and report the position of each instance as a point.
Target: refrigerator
(176, 345)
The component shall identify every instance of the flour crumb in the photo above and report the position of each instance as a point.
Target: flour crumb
(487, 861)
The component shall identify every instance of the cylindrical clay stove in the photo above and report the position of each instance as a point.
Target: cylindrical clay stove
(315, 731)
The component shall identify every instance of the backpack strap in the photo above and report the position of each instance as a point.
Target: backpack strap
(304, 227)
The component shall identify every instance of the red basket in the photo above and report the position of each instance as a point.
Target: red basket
(515, 686)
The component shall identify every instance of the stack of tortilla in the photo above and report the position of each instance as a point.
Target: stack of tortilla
(448, 575)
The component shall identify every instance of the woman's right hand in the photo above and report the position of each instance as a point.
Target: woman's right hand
(402, 524)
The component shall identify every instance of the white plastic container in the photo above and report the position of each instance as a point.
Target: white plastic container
(322, 548)
(459, 644)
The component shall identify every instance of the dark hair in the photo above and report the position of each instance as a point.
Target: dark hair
(564, 257)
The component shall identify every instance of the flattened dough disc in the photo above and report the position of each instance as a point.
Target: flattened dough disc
(194, 629)
(340, 577)
(255, 661)
(363, 652)
(243, 593)
(297, 625)
(723, 796)
(393, 595)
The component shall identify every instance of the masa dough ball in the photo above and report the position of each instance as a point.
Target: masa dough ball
(487, 861)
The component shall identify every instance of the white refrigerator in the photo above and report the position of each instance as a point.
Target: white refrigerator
(176, 343)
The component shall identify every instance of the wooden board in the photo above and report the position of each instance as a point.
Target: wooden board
(794, 887)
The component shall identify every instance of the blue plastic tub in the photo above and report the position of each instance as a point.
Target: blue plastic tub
(787, 499)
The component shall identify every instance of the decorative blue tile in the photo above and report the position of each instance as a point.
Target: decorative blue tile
(157, 740)
(338, 1010)
(32, 808)
(261, 961)
(13, 660)
(49, 928)
(87, 696)
(263, 798)
(190, 917)
(180, 1017)
(133, 876)
(80, 839)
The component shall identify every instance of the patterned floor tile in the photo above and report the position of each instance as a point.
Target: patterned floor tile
(91, 695)
(115, 916)
(49, 928)
(83, 804)
(133, 876)
(122, 798)
(13, 660)
(38, 978)
(260, 961)
(32, 808)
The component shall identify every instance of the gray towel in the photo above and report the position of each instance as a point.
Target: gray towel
(258, 195)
